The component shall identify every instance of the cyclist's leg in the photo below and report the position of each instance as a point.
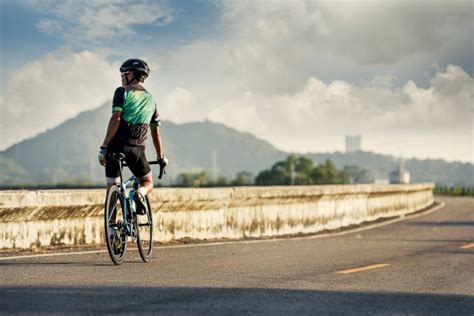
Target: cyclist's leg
(112, 167)
(112, 173)
(140, 168)
(146, 182)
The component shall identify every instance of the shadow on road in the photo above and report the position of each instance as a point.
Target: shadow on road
(175, 300)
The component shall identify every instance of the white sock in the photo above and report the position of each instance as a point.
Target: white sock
(142, 190)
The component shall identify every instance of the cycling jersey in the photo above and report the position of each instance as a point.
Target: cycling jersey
(138, 112)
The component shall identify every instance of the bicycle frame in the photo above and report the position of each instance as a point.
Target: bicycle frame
(117, 232)
(130, 203)
(123, 186)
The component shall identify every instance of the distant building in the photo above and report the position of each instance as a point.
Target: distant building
(400, 175)
(352, 143)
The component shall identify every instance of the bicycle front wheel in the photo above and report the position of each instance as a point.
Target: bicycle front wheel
(144, 228)
(115, 234)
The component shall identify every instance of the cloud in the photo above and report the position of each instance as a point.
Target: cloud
(95, 21)
(48, 26)
(422, 122)
(367, 32)
(178, 106)
(44, 93)
(277, 45)
(269, 75)
(300, 74)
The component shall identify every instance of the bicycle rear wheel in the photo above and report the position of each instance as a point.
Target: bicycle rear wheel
(115, 235)
(144, 229)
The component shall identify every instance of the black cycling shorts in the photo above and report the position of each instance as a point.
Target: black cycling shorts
(134, 156)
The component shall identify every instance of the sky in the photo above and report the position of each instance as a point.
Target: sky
(299, 74)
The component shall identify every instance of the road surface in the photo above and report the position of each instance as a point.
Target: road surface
(422, 265)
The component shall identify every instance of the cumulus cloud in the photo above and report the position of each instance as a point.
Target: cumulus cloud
(277, 45)
(422, 122)
(179, 106)
(44, 93)
(92, 21)
(270, 75)
(300, 74)
(365, 31)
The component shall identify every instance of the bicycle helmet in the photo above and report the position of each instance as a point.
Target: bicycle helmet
(139, 68)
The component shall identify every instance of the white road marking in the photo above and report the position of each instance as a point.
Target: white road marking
(52, 254)
(365, 268)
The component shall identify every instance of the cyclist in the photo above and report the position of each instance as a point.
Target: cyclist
(133, 111)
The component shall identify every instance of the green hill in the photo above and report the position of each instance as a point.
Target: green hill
(68, 154)
(10, 171)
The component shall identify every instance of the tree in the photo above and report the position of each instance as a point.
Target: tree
(301, 171)
(317, 176)
(190, 179)
(292, 170)
(243, 178)
(357, 175)
(221, 182)
(331, 174)
(269, 177)
(302, 168)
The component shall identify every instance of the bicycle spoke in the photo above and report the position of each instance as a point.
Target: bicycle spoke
(113, 228)
(114, 210)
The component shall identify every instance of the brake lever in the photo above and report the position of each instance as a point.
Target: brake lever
(162, 172)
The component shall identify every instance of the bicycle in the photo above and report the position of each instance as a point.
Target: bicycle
(122, 221)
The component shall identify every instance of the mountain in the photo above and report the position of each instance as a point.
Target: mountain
(68, 153)
(427, 170)
(10, 170)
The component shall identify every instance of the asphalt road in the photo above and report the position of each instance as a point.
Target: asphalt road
(422, 265)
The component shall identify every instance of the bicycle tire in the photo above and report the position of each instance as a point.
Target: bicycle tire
(116, 244)
(144, 229)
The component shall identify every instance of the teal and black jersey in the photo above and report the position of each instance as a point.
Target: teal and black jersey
(138, 112)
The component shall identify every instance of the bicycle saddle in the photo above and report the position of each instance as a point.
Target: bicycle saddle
(117, 156)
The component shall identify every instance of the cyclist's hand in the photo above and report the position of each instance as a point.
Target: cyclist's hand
(163, 162)
(102, 154)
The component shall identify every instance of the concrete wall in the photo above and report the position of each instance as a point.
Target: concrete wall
(30, 219)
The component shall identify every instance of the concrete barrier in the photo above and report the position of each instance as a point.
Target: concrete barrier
(30, 219)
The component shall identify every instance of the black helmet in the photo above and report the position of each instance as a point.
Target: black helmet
(137, 66)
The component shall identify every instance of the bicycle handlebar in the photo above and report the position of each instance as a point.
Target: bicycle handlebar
(162, 169)
(121, 157)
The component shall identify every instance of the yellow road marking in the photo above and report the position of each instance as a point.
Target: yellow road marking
(375, 266)
(467, 246)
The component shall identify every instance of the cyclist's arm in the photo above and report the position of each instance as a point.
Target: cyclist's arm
(155, 135)
(114, 123)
